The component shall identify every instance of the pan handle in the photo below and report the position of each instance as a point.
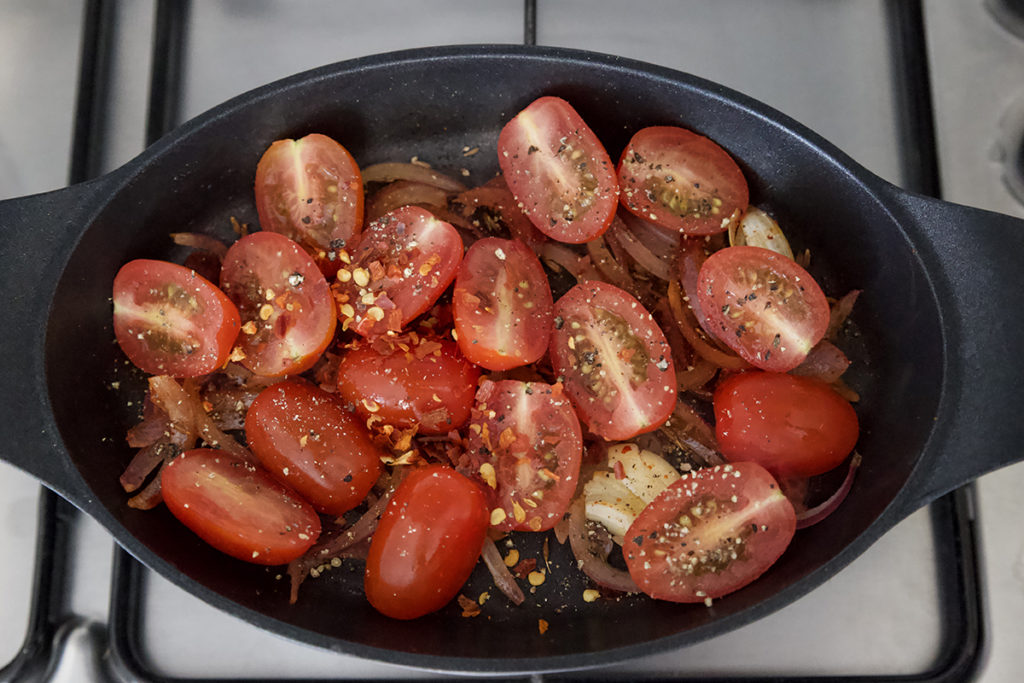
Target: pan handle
(977, 258)
(37, 235)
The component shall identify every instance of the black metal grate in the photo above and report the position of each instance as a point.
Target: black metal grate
(960, 599)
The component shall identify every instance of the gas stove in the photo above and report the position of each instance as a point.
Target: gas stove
(940, 597)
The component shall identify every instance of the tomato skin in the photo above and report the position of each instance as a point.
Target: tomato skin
(311, 191)
(741, 510)
(237, 507)
(616, 362)
(186, 332)
(502, 304)
(558, 171)
(774, 322)
(310, 443)
(530, 436)
(792, 426)
(681, 181)
(286, 306)
(403, 262)
(426, 544)
(429, 384)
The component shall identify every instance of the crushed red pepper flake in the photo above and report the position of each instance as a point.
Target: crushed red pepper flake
(470, 607)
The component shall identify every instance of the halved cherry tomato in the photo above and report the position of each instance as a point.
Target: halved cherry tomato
(309, 442)
(403, 262)
(426, 544)
(286, 306)
(237, 507)
(310, 190)
(525, 445)
(617, 365)
(558, 171)
(710, 533)
(502, 304)
(409, 381)
(171, 321)
(681, 181)
(792, 426)
(762, 305)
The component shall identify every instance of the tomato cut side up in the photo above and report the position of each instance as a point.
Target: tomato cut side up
(170, 321)
(502, 304)
(288, 316)
(762, 305)
(558, 171)
(792, 426)
(403, 262)
(414, 381)
(525, 447)
(238, 508)
(710, 533)
(310, 190)
(426, 544)
(307, 440)
(615, 361)
(681, 181)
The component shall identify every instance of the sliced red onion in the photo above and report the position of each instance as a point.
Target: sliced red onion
(503, 578)
(187, 414)
(654, 258)
(594, 566)
(826, 361)
(840, 311)
(404, 193)
(393, 171)
(813, 515)
(200, 241)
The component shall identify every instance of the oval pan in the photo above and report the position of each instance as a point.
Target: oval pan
(914, 347)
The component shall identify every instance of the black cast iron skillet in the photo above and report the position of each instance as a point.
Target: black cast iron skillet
(939, 331)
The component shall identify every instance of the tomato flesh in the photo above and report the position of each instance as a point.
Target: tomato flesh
(403, 262)
(792, 426)
(558, 171)
(237, 507)
(525, 446)
(170, 321)
(681, 181)
(427, 543)
(286, 306)
(310, 443)
(710, 533)
(762, 305)
(617, 365)
(311, 191)
(415, 381)
(502, 304)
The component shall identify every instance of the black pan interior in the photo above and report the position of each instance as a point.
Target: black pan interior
(433, 105)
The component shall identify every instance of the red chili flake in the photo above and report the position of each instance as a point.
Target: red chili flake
(470, 607)
(524, 567)
(620, 472)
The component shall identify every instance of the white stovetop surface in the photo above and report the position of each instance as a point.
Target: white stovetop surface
(823, 63)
